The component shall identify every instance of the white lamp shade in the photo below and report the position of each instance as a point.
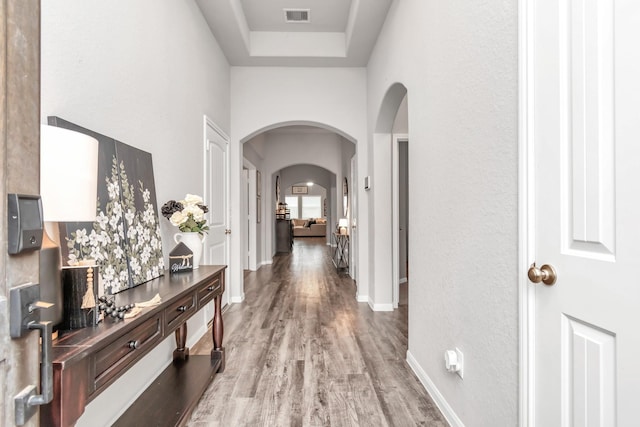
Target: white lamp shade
(68, 175)
(343, 222)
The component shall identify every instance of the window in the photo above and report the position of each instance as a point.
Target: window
(311, 207)
(292, 204)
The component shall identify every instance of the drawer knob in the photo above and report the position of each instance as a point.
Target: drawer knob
(210, 288)
(134, 344)
(182, 308)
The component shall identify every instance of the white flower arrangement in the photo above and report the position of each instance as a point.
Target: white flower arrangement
(187, 214)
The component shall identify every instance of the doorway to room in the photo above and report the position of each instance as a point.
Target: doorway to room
(401, 219)
(400, 203)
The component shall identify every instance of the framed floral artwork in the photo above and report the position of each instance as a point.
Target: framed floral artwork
(125, 238)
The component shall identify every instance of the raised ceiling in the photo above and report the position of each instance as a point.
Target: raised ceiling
(340, 33)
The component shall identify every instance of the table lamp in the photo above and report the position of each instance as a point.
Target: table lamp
(68, 187)
(343, 226)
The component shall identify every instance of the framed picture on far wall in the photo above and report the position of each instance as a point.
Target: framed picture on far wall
(258, 183)
(299, 189)
(258, 210)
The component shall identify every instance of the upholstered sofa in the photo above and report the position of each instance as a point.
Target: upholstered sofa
(309, 227)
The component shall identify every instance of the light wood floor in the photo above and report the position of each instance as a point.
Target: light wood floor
(302, 352)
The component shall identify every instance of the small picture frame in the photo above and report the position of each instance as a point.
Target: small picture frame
(299, 189)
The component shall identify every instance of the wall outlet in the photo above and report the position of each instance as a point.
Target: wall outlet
(460, 371)
(454, 362)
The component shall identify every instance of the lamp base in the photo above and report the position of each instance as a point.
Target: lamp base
(50, 284)
(80, 296)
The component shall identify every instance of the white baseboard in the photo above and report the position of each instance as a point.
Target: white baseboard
(362, 298)
(403, 280)
(237, 299)
(431, 388)
(267, 262)
(195, 337)
(380, 307)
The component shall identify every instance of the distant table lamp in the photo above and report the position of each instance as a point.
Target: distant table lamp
(343, 226)
(68, 187)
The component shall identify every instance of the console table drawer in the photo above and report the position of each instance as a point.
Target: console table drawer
(179, 311)
(126, 350)
(208, 291)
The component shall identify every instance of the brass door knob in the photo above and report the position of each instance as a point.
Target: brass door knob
(545, 274)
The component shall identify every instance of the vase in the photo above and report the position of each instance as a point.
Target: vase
(194, 242)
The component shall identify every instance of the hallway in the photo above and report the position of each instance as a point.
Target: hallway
(302, 352)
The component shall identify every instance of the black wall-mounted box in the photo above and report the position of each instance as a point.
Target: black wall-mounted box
(25, 223)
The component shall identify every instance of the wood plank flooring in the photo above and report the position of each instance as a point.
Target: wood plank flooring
(301, 351)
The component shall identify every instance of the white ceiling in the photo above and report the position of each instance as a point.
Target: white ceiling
(254, 32)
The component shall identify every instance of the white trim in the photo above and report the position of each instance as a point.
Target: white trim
(253, 220)
(353, 219)
(526, 213)
(380, 307)
(266, 262)
(209, 124)
(237, 300)
(403, 280)
(362, 298)
(396, 138)
(197, 334)
(433, 391)
(215, 127)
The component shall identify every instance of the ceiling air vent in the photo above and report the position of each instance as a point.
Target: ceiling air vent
(297, 15)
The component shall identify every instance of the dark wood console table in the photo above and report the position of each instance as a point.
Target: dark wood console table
(86, 361)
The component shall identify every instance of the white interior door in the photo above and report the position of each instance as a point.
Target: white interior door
(585, 117)
(217, 190)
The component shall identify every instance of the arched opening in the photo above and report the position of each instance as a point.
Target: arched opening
(391, 200)
(296, 153)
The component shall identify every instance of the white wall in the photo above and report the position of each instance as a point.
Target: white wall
(144, 73)
(263, 98)
(462, 110)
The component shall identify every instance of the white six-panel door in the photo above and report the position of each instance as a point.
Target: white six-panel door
(586, 139)
(217, 197)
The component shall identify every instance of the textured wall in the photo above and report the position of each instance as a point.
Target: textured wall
(145, 73)
(458, 60)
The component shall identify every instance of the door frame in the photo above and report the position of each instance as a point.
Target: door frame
(252, 209)
(209, 123)
(396, 139)
(353, 219)
(526, 213)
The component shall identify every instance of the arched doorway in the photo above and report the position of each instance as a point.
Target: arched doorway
(300, 149)
(391, 199)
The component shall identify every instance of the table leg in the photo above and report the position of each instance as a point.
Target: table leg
(218, 332)
(182, 351)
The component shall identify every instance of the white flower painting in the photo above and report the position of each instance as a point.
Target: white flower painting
(125, 238)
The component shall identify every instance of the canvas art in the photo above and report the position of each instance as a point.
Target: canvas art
(125, 238)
